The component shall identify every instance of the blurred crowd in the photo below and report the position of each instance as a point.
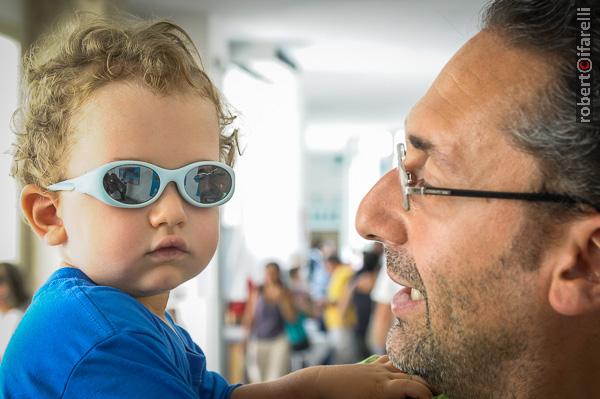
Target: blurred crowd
(321, 311)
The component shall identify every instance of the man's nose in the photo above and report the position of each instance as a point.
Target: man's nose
(169, 209)
(380, 216)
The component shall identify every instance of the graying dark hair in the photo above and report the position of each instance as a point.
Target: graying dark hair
(568, 151)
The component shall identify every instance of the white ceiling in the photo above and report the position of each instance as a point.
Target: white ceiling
(375, 58)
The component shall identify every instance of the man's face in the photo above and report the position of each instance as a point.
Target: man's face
(113, 246)
(475, 261)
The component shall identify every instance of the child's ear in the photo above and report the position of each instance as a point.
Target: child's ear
(40, 207)
(575, 287)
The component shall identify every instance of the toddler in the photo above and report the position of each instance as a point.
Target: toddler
(123, 160)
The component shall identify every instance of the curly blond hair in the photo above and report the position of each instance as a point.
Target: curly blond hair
(62, 71)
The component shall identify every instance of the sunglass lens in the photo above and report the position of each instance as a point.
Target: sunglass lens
(208, 184)
(131, 184)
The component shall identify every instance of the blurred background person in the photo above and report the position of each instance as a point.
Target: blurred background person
(297, 334)
(300, 292)
(360, 287)
(382, 318)
(339, 315)
(269, 307)
(13, 301)
(318, 280)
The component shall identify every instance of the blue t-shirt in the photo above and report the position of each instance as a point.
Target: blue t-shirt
(82, 340)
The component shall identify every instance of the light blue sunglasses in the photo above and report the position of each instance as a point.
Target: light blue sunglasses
(135, 184)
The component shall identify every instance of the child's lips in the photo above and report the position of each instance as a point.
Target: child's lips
(167, 254)
(170, 242)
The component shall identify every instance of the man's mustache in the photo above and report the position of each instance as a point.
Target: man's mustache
(402, 265)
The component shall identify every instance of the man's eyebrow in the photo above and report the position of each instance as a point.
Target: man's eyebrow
(421, 144)
(431, 149)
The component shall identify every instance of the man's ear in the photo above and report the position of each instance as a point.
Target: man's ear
(575, 286)
(40, 207)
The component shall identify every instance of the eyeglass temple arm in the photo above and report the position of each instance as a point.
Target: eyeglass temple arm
(543, 197)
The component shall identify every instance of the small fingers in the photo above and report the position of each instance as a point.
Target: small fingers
(408, 387)
(382, 359)
(387, 363)
(412, 377)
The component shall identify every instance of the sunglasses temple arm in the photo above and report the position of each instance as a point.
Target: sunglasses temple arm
(67, 185)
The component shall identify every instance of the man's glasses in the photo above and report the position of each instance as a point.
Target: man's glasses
(408, 188)
(135, 184)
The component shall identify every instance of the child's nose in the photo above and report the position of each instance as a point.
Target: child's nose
(169, 209)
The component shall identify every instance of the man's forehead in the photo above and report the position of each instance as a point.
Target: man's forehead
(465, 111)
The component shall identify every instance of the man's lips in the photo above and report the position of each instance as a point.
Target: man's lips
(402, 269)
(408, 287)
(405, 301)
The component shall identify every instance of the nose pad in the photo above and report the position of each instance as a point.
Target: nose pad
(380, 215)
(169, 208)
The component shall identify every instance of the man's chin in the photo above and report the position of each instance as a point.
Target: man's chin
(411, 350)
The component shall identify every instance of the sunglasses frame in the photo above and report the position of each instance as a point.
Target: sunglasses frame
(91, 183)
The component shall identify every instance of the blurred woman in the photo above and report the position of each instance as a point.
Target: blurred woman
(13, 300)
(268, 309)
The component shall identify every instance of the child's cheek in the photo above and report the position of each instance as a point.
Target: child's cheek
(98, 232)
(204, 229)
(123, 233)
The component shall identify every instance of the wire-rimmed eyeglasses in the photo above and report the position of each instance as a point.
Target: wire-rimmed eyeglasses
(408, 189)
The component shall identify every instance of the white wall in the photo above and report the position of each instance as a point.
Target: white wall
(9, 67)
(267, 206)
(362, 149)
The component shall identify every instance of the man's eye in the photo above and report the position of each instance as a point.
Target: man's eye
(422, 183)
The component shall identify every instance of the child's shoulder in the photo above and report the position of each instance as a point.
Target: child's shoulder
(69, 317)
(76, 333)
(70, 303)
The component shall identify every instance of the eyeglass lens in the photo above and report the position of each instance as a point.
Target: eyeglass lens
(403, 175)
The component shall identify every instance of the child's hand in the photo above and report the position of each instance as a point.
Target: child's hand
(376, 380)
(379, 379)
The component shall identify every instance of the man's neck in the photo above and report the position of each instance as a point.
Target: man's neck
(568, 368)
(574, 373)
